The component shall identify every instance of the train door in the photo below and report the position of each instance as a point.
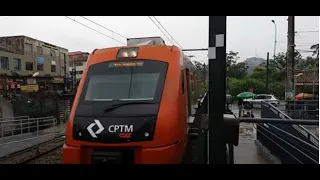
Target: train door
(188, 92)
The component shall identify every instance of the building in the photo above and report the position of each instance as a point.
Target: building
(77, 62)
(307, 82)
(22, 56)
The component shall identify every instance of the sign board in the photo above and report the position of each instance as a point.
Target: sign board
(29, 88)
(31, 81)
(57, 80)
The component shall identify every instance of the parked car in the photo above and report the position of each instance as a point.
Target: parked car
(256, 102)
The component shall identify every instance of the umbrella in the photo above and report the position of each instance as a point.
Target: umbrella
(246, 95)
(304, 96)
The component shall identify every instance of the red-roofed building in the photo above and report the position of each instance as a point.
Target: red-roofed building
(307, 82)
(78, 61)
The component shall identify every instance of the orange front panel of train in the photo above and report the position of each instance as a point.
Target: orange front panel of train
(129, 103)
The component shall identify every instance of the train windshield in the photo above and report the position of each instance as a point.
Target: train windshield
(131, 80)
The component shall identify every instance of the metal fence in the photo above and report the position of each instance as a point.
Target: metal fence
(301, 109)
(63, 106)
(15, 129)
(292, 144)
(45, 106)
(58, 106)
(201, 125)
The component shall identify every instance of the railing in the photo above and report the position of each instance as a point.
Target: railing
(64, 105)
(14, 130)
(301, 109)
(14, 118)
(281, 115)
(292, 144)
(201, 123)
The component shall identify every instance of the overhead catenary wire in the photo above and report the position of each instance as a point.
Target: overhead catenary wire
(103, 26)
(160, 29)
(172, 37)
(168, 34)
(95, 30)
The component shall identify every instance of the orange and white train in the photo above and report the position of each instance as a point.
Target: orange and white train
(132, 105)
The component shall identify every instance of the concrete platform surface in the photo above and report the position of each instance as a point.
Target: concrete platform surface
(248, 151)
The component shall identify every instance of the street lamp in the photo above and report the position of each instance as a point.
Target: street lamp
(35, 74)
(275, 39)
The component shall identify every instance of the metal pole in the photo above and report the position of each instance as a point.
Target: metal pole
(65, 71)
(267, 83)
(279, 121)
(275, 39)
(217, 88)
(203, 49)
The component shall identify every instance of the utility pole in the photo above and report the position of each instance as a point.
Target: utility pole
(290, 59)
(65, 71)
(267, 82)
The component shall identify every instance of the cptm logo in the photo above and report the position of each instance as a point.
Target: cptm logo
(125, 131)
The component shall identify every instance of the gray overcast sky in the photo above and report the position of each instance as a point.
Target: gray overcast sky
(249, 35)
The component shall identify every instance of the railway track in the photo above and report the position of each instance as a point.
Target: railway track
(30, 154)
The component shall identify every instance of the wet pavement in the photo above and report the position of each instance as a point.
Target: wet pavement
(249, 151)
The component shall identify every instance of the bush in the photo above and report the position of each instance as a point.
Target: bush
(237, 86)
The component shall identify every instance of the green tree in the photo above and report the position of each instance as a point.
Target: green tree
(203, 70)
(240, 85)
(235, 69)
(231, 58)
(315, 49)
(238, 70)
(310, 63)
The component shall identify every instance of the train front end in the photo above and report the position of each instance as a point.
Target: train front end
(124, 110)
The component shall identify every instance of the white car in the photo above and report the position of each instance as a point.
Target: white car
(256, 102)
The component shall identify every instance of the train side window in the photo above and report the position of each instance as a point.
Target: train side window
(182, 80)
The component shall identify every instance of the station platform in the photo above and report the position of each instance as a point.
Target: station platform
(16, 143)
(249, 151)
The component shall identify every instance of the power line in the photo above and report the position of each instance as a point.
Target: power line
(298, 43)
(306, 31)
(160, 29)
(172, 37)
(304, 44)
(102, 26)
(303, 50)
(168, 34)
(94, 30)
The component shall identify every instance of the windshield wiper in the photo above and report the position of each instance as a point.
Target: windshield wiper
(117, 105)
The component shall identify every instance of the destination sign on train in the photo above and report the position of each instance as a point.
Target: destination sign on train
(126, 64)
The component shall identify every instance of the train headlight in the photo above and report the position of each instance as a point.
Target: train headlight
(127, 53)
(146, 134)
